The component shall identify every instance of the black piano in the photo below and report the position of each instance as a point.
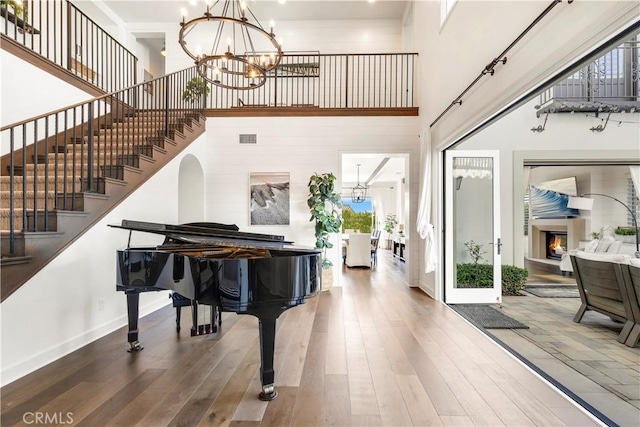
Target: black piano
(216, 265)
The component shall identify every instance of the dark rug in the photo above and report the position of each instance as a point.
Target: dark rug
(487, 317)
(553, 291)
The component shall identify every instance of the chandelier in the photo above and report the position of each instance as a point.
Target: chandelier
(229, 46)
(359, 192)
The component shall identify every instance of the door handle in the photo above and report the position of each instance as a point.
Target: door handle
(499, 245)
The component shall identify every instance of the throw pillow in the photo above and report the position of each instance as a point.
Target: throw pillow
(604, 244)
(604, 257)
(614, 248)
(591, 246)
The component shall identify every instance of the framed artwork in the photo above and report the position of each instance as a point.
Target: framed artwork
(269, 199)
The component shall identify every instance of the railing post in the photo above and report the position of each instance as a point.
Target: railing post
(166, 107)
(12, 195)
(346, 82)
(68, 36)
(90, 147)
(275, 86)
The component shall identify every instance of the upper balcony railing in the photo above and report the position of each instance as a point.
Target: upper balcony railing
(61, 33)
(611, 83)
(329, 81)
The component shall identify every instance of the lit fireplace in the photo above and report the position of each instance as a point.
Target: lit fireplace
(556, 244)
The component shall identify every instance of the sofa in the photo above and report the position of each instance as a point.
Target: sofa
(608, 245)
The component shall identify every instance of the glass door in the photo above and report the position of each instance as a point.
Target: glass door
(472, 227)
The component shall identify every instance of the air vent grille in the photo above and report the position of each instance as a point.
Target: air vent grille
(248, 138)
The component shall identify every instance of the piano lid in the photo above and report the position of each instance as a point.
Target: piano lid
(211, 234)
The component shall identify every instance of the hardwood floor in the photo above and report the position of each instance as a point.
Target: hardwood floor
(369, 352)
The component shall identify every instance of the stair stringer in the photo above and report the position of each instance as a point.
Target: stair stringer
(40, 248)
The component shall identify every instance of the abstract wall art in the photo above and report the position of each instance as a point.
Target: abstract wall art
(269, 198)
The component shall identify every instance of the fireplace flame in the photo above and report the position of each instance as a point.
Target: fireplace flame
(556, 244)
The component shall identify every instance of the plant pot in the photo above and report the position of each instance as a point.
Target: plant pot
(626, 238)
(327, 278)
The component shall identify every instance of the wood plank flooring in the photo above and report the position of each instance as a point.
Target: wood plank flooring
(369, 352)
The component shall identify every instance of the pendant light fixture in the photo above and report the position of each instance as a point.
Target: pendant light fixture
(359, 192)
(229, 45)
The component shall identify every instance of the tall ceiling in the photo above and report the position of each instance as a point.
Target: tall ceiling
(141, 11)
(169, 11)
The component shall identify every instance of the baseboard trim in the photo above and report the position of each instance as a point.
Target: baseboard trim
(25, 367)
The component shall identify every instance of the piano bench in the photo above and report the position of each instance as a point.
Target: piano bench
(180, 301)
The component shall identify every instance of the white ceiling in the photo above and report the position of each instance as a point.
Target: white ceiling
(141, 11)
(391, 172)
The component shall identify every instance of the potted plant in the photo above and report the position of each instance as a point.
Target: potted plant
(195, 88)
(324, 204)
(16, 6)
(389, 224)
(625, 234)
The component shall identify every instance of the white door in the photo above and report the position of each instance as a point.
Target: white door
(472, 227)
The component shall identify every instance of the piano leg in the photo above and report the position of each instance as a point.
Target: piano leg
(267, 347)
(133, 302)
(194, 318)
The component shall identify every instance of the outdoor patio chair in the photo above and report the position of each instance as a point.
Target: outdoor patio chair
(631, 276)
(602, 289)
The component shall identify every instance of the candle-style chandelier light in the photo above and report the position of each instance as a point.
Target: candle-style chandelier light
(229, 45)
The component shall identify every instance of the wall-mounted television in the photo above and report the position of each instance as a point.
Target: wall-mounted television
(549, 199)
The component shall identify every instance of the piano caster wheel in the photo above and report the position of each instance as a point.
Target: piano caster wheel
(135, 347)
(268, 393)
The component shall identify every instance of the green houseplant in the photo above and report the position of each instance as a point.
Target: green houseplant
(625, 234)
(195, 88)
(324, 204)
(17, 7)
(479, 274)
(390, 223)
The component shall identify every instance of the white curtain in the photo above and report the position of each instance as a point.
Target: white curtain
(425, 228)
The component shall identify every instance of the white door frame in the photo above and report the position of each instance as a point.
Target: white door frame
(454, 294)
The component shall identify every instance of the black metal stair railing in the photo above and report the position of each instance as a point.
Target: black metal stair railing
(354, 81)
(63, 34)
(55, 157)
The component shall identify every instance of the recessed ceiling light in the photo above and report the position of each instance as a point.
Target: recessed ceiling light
(282, 1)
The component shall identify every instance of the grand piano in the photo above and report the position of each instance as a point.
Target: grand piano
(216, 265)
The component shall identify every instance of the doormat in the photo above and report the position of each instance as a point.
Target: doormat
(487, 317)
(553, 291)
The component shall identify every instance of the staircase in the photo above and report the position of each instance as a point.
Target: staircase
(56, 189)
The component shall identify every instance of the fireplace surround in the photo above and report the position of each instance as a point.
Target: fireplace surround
(538, 228)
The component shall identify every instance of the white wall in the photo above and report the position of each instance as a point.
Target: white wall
(67, 291)
(300, 146)
(22, 84)
(58, 310)
(569, 132)
(451, 57)
(327, 37)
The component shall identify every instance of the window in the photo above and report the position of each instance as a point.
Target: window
(357, 216)
(445, 9)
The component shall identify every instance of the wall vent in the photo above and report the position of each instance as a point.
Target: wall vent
(248, 138)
